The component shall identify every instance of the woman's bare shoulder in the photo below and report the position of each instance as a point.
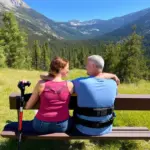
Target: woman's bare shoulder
(40, 84)
(69, 83)
(70, 86)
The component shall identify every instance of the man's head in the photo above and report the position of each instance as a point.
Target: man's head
(95, 65)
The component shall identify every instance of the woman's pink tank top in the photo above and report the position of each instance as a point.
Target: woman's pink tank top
(54, 101)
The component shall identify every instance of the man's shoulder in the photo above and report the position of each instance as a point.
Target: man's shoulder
(80, 78)
(111, 81)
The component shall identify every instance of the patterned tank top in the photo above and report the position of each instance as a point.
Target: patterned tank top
(54, 101)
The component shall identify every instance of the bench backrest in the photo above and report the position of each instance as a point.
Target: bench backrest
(122, 102)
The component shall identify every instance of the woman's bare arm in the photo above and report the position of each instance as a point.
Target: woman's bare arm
(35, 95)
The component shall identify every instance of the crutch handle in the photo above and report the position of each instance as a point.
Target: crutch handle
(22, 85)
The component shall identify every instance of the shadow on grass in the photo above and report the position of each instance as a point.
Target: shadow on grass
(42, 145)
(11, 144)
(119, 144)
(8, 121)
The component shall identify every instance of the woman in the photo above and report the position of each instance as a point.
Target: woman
(54, 94)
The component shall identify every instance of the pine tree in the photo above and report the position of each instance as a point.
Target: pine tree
(2, 55)
(63, 52)
(36, 55)
(44, 57)
(28, 59)
(81, 57)
(48, 50)
(14, 42)
(77, 58)
(132, 64)
(112, 57)
(2, 58)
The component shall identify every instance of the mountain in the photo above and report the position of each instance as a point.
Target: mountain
(97, 27)
(142, 28)
(13, 3)
(35, 24)
(42, 28)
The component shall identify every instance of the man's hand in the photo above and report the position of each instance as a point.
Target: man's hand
(116, 79)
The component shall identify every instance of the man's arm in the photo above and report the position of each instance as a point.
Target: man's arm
(110, 76)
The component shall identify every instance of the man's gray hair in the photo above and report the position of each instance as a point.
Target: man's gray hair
(97, 60)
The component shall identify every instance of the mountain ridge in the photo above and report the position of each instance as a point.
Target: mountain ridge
(37, 24)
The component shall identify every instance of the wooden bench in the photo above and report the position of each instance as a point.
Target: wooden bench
(123, 102)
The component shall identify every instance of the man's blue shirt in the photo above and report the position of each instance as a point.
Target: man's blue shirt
(95, 92)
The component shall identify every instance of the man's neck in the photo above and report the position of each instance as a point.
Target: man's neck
(99, 74)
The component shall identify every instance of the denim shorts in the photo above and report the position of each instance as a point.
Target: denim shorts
(43, 127)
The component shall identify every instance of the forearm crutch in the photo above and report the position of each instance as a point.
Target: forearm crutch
(21, 86)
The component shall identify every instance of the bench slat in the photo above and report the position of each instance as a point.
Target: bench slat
(123, 101)
(130, 129)
(121, 135)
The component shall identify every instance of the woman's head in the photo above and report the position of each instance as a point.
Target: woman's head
(59, 66)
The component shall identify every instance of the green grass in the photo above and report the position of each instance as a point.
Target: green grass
(8, 83)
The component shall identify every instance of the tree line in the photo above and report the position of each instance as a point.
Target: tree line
(126, 58)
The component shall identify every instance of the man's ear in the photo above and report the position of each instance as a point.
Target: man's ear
(94, 66)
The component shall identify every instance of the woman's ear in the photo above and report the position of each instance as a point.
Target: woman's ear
(60, 70)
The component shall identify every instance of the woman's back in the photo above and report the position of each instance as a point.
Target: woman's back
(54, 101)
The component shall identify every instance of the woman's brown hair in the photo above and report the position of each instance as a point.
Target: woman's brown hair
(56, 65)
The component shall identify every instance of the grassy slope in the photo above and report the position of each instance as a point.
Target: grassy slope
(8, 84)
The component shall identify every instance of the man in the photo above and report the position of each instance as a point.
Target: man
(95, 99)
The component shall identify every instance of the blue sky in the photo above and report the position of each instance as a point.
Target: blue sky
(64, 10)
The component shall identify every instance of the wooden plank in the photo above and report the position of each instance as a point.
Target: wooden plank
(113, 129)
(122, 102)
(132, 102)
(120, 135)
(130, 129)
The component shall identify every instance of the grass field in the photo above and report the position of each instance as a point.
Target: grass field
(8, 83)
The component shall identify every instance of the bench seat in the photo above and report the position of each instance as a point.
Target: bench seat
(120, 133)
